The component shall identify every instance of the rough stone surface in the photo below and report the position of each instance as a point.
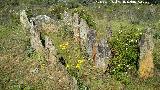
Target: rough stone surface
(24, 20)
(44, 24)
(83, 32)
(86, 37)
(67, 18)
(76, 30)
(50, 51)
(91, 41)
(34, 35)
(59, 76)
(103, 54)
(146, 58)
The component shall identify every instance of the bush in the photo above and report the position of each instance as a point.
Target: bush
(84, 13)
(125, 51)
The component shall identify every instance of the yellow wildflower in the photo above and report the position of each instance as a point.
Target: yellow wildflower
(78, 66)
(64, 46)
(80, 61)
(60, 45)
(43, 64)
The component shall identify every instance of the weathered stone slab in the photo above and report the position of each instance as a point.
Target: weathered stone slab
(91, 41)
(24, 20)
(51, 54)
(86, 37)
(83, 32)
(103, 54)
(67, 18)
(37, 26)
(76, 30)
(146, 64)
(34, 35)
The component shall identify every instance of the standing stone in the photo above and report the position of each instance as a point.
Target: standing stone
(35, 39)
(76, 30)
(67, 18)
(91, 42)
(50, 51)
(44, 25)
(103, 54)
(83, 33)
(100, 51)
(86, 38)
(37, 26)
(34, 34)
(24, 20)
(146, 58)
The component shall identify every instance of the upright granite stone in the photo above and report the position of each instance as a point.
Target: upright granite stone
(24, 20)
(40, 26)
(83, 28)
(34, 34)
(99, 52)
(35, 41)
(51, 54)
(76, 30)
(67, 18)
(91, 43)
(146, 64)
(103, 54)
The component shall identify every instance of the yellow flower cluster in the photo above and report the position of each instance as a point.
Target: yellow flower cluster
(64, 46)
(79, 64)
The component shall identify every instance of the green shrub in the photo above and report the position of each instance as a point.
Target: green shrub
(85, 14)
(57, 10)
(125, 51)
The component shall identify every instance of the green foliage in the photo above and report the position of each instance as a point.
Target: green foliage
(72, 4)
(86, 15)
(21, 87)
(57, 10)
(125, 51)
(124, 45)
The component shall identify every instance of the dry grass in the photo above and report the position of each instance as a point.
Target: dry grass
(146, 65)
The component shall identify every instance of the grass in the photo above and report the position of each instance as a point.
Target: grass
(17, 58)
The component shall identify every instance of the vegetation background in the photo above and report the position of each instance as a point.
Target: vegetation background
(128, 22)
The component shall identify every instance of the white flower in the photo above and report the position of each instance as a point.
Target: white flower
(132, 40)
(129, 68)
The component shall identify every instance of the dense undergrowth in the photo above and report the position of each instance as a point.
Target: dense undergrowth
(127, 22)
